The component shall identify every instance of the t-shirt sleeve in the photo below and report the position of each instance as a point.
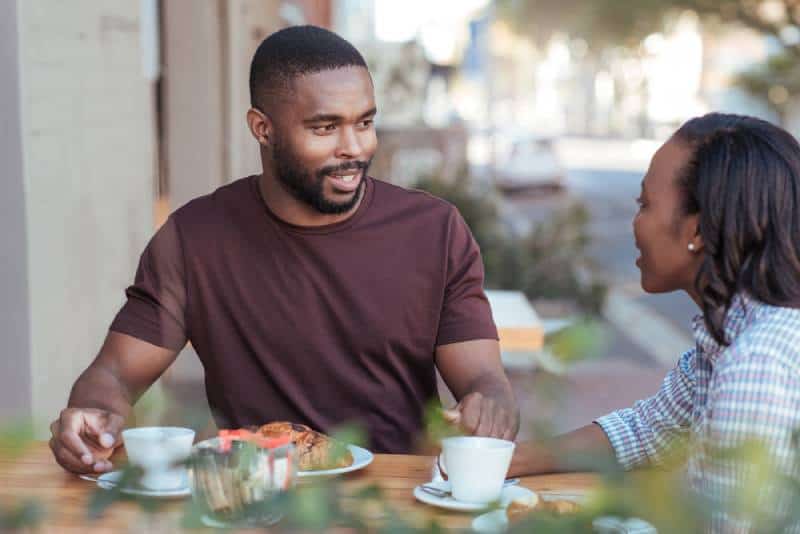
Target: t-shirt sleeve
(465, 314)
(155, 310)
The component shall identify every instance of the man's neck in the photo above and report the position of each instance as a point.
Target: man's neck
(293, 211)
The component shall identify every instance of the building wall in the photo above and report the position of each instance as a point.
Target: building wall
(89, 172)
(247, 23)
(15, 383)
(208, 45)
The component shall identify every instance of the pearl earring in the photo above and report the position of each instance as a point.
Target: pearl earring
(691, 247)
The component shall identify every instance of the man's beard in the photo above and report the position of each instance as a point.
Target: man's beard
(308, 187)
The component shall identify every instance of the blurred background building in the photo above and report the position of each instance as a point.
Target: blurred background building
(537, 118)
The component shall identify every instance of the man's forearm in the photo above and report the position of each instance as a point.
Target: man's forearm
(584, 449)
(100, 388)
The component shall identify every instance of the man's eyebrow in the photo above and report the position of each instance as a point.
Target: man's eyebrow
(369, 113)
(323, 117)
(332, 117)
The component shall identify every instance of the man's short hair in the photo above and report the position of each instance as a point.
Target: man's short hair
(296, 51)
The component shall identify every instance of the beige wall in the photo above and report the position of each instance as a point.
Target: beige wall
(208, 45)
(88, 150)
(248, 23)
(15, 383)
(193, 99)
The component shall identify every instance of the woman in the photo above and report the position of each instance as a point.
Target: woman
(719, 218)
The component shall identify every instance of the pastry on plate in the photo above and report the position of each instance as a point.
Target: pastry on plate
(315, 450)
(520, 507)
(559, 507)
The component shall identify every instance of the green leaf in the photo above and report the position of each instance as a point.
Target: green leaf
(27, 514)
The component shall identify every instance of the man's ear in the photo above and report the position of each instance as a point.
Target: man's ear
(260, 126)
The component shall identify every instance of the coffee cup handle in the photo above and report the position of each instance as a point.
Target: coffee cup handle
(440, 463)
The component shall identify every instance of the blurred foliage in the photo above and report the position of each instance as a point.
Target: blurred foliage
(580, 341)
(15, 437)
(349, 434)
(551, 262)
(774, 82)
(437, 427)
(101, 498)
(601, 23)
(605, 24)
(25, 515)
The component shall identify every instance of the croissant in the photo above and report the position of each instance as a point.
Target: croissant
(315, 450)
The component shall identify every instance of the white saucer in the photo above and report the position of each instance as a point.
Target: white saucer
(110, 480)
(508, 494)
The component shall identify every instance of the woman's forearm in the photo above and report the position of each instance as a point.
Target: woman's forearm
(584, 449)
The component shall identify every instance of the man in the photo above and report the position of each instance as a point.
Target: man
(312, 293)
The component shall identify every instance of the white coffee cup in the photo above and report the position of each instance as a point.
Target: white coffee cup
(476, 467)
(157, 450)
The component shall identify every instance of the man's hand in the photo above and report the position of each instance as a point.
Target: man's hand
(486, 416)
(83, 439)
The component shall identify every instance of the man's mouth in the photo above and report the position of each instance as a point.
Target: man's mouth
(345, 181)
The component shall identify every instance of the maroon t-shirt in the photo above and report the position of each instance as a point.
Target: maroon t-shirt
(316, 325)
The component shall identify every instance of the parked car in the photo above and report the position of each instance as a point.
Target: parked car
(532, 165)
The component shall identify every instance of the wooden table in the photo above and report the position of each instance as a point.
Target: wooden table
(35, 474)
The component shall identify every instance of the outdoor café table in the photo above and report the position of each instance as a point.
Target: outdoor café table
(35, 475)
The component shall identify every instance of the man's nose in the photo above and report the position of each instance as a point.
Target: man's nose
(350, 146)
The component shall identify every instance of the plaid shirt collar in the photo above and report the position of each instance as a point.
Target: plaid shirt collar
(743, 311)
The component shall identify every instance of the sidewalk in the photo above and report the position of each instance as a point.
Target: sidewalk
(589, 389)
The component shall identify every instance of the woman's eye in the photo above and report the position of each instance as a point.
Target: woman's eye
(639, 201)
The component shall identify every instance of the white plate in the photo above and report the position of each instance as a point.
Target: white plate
(508, 494)
(111, 479)
(361, 459)
(496, 521)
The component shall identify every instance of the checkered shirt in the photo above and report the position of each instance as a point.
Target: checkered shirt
(719, 397)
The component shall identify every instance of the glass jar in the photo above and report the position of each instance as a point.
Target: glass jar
(239, 483)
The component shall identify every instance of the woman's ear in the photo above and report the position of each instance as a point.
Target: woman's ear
(694, 239)
(260, 126)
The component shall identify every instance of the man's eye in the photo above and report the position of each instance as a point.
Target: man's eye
(366, 123)
(325, 128)
(639, 201)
